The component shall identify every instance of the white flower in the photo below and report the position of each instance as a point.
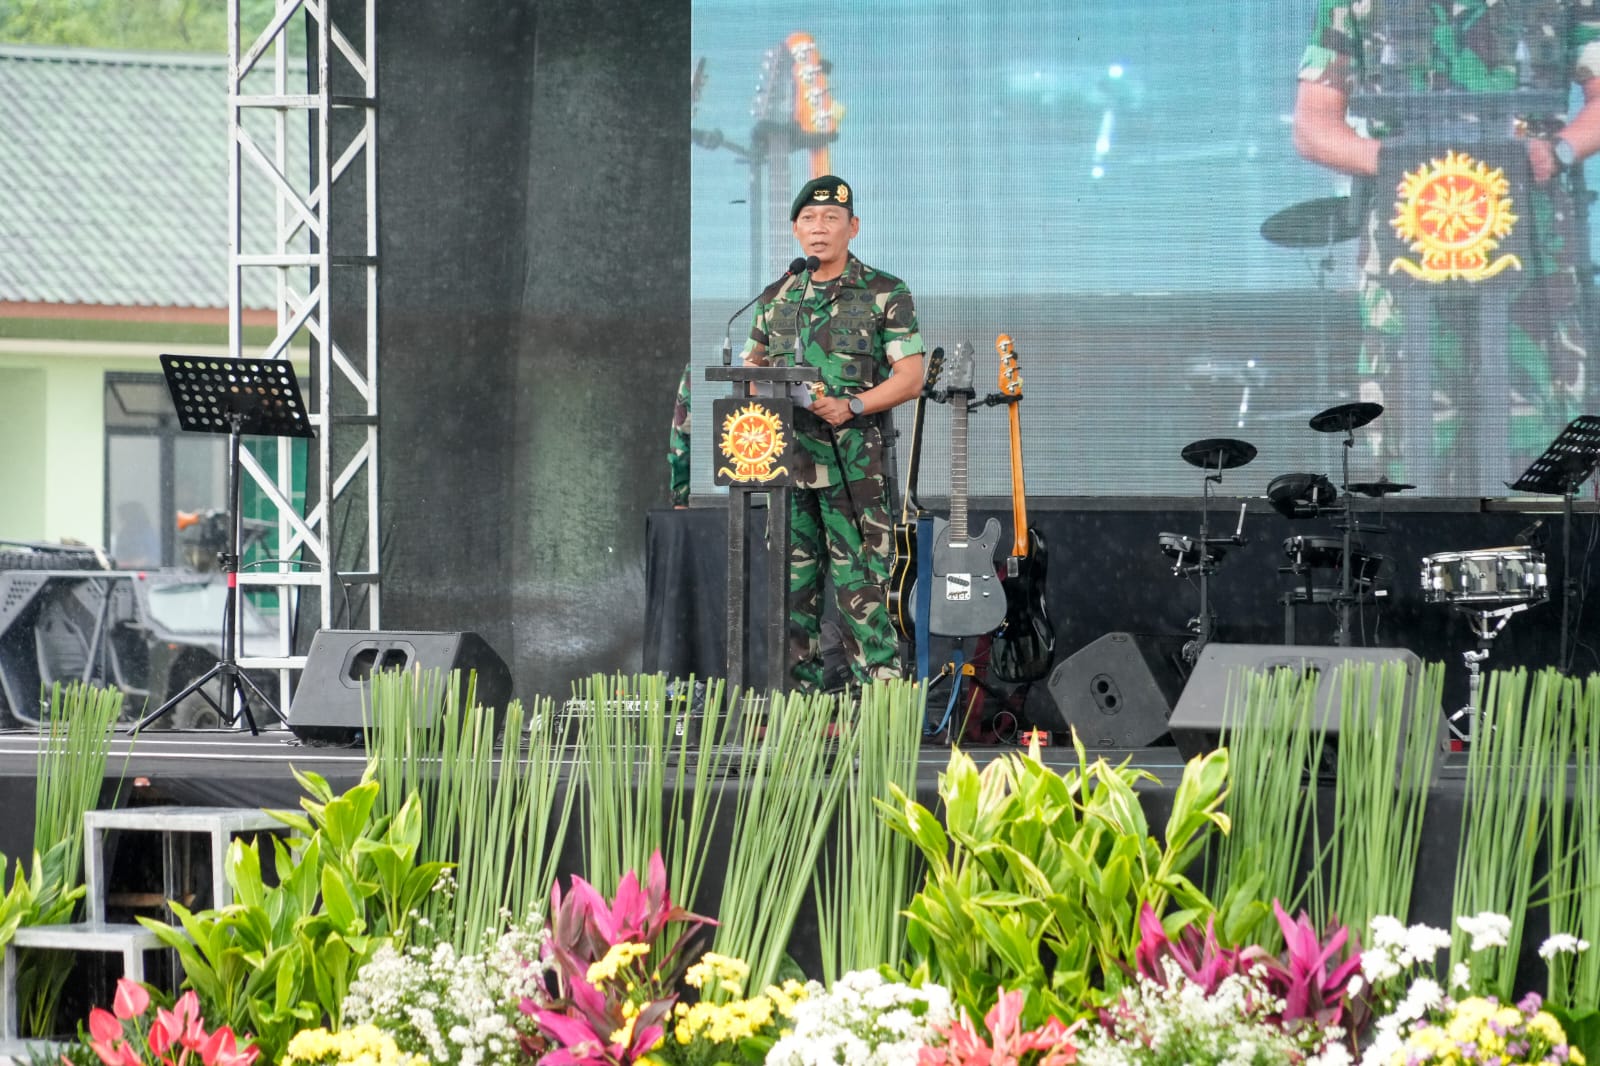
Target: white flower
(1423, 995)
(1460, 977)
(1378, 965)
(1487, 929)
(1422, 943)
(1562, 943)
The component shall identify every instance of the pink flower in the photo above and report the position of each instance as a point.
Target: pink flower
(107, 1040)
(131, 999)
(181, 1025)
(219, 1049)
(965, 1046)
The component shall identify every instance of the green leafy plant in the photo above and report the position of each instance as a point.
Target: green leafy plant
(863, 884)
(496, 811)
(281, 957)
(1037, 879)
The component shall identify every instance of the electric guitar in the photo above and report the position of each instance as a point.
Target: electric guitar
(816, 113)
(1026, 644)
(966, 598)
(903, 573)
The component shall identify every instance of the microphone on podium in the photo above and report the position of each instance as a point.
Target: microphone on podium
(796, 266)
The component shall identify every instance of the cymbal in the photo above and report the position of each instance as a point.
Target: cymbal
(1311, 224)
(1345, 417)
(1382, 487)
(1218, 453)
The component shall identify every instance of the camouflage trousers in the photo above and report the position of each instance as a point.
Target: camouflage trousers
(843, 534)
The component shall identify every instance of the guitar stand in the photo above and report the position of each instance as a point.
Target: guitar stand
(959, 671)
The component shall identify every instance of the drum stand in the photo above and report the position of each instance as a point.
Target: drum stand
(1474, 658)
(1200, 556)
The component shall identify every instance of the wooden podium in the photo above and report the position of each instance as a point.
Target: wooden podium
(753, 452)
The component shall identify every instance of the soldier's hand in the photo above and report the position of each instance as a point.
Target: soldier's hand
(1541, 159)
(831, 409)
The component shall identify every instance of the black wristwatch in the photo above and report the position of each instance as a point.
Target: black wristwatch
(1566, 155)
(856, 406)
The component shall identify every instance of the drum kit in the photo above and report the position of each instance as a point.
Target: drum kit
(1488, 585)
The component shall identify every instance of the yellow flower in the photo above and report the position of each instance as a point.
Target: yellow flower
(618, 958)
(624, 1036)
(1545, 1025)
(727, 972)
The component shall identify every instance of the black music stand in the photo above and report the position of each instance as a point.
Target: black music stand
(1567, 463)
(234, 396)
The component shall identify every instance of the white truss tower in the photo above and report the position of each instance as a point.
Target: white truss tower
(309, 228)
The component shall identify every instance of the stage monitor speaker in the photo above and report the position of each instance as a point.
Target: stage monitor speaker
(1197, 720)
(328, 701)
(1117, 691)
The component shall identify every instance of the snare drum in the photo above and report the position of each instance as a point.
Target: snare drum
(1489, 576)
(1327, 553)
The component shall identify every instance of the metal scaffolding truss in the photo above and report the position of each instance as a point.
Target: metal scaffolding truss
(303, 222)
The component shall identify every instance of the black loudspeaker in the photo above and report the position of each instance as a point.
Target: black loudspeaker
(1197, 720)
(328, 701)
(1118, 691)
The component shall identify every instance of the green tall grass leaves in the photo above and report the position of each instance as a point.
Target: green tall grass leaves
(868, 878)
(1574, 980)
(73, 746)
(1386, 763)
(797, 763)
(651, 762)
(1517, 753)
(1272, 746)
(498, 812)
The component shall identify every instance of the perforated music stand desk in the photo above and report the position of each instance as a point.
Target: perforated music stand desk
(259, 397)
(1568, 462)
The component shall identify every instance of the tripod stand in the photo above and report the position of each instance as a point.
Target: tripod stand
(232, 396)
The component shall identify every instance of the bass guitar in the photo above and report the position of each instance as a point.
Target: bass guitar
(1026, 645)
(966, 598)
(903, 574)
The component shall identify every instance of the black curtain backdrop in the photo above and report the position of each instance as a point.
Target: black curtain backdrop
(533, 177)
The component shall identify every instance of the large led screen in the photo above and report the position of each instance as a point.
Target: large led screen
(1114, 184)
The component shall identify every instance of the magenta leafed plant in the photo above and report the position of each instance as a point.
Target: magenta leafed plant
(1197, 955)
(584, 927)
(616, 981)
(1313, 974)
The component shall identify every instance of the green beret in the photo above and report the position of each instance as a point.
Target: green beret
(824, 190)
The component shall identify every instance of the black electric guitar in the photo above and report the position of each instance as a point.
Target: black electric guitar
(903, 574)
(966, 598)
(1026, 644)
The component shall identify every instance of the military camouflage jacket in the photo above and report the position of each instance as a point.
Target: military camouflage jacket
(853, 328)
(1472, 45)
(678, 443)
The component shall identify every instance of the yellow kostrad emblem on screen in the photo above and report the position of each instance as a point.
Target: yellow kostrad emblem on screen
(752, 440)
(1453, 213)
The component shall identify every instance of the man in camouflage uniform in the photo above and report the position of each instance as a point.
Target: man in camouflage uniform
(1475, 46)
(678, 444)
(858, 327)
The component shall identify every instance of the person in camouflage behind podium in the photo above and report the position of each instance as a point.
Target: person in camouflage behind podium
(1466, 46)
(858, 327)
(678, 443)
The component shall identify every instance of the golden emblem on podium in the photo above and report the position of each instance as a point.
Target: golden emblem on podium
(1453, 213)
(752, 440)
